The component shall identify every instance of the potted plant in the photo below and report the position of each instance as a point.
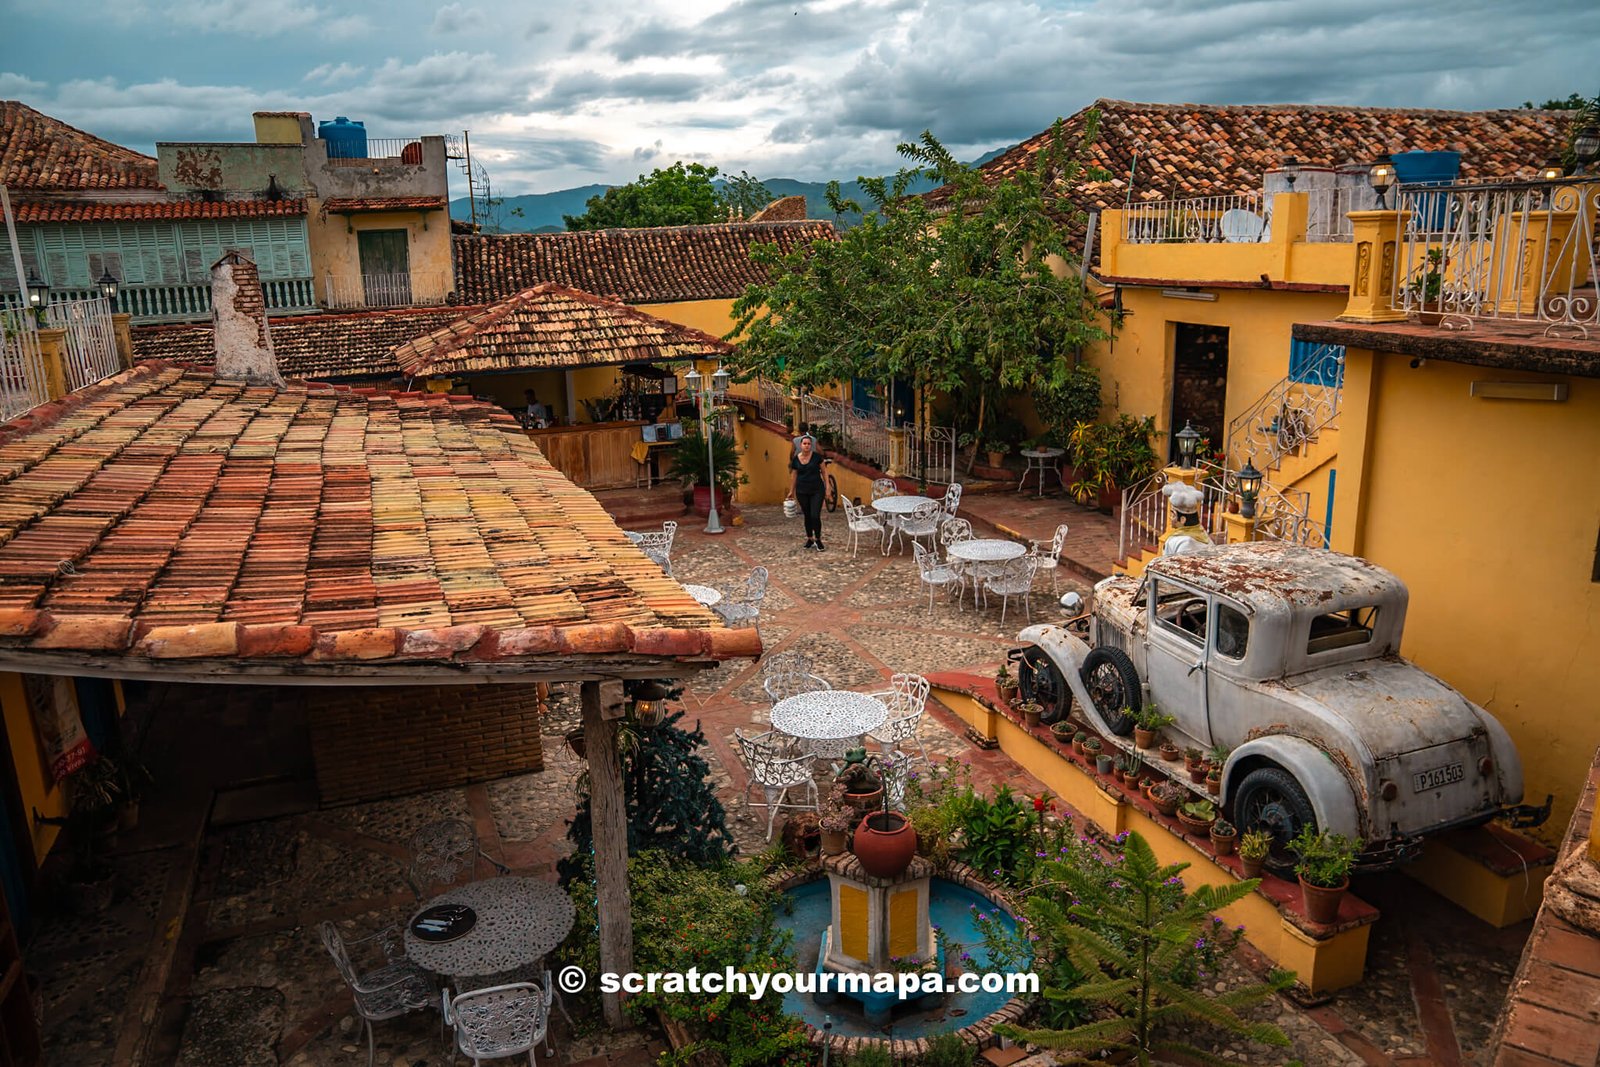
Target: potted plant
(1079, 740)
(863, 784)
(574, 739)
(1254, 847)
(1192, 758)
(1223, 836)
(885, 843)
(1170, 751)
(1133, 764)
(1147, 723)
(1006, 683)
(1323, 862)
(1063, 731)
(1197, 815)
(689, 466)
(837, 818)
(1426, 287)
(91, 816)
(1030, 713)
(1214, 781)
(1198, 771)
(1091, 748)
(1119, 769)
(1165, 797)
(1104, 763)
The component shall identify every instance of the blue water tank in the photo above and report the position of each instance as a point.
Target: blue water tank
(1428, 168)
(346, 139)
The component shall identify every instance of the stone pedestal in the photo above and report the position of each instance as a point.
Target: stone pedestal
(874, 921)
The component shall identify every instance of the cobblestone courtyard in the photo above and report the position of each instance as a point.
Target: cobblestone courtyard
(250, 982)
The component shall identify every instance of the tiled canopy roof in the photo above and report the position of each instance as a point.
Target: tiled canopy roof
(552, 326)
(144, 210)
(1189, 150)
(641, 266)
(349, 346)
(165, 515)
(359, 205)
(44, 154)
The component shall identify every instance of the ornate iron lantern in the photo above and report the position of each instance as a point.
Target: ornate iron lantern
(1188, 440)
(1382, 177)
(1249, 481)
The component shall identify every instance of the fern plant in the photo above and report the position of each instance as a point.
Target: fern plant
(1130, 946)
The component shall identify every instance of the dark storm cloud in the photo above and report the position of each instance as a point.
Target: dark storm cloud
(572, 92)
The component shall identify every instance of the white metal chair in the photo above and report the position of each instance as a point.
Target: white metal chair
(776, 773)
(896, 768)
(740, 606)
(952, 531)
(1014, 579)
(883, 487)
(952, 500)
(441, 852)
(658, 546)
(393, 988)
(1049, 557)
(503, 1020)
(861, 520)
(907, 698)
(934, 575)
(923, 522)
(783, 686)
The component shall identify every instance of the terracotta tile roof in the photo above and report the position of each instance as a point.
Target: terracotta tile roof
(642, 266)
(141, 210)
(358, 205)
(38, 152)
(165, 515)
(348, 346)
(1189, 150)
(552, 326)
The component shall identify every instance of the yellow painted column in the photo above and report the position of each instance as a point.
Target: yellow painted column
(1289, 214)
(52, 351)
(1239, 528)
(1110, 241)
(1377, 244)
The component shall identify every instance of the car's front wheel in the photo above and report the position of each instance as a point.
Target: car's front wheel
(1270, 799)
(1041, 683)
(1113, 684)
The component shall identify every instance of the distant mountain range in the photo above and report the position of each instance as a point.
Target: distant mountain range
(542, 212)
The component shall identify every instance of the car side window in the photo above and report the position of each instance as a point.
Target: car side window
(1180, 611)
(1233, 631)
(1341, 629)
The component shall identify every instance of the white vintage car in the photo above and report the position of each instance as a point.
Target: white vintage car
(1289, 658)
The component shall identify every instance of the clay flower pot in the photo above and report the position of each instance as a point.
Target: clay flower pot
(1214, 784)
(833, 842)
(1252, 865)
(885, 843)
(1194, 825)
(1322, 903)
(1164, 805)
(574, 740)
(1197, 773)
(1008, 693)
(1030, 713)
(865, 802)
(1143, 738)
(1222, 846)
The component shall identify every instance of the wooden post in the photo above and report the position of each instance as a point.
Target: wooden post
(53, 354)
(121, 325)
(610, 825)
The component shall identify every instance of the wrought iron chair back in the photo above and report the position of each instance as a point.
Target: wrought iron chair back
(441, 853)
(783, 686)
(499, 1021)
(882, 487)
(393, 988)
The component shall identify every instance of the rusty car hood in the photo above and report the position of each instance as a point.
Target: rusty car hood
(1394, 706)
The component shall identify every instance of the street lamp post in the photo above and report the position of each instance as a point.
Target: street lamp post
(707, 395)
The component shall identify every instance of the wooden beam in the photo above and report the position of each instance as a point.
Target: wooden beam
(608, 810)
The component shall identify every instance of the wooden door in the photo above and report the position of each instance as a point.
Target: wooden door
(1199, 383)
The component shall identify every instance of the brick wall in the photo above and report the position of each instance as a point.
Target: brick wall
(379, 742)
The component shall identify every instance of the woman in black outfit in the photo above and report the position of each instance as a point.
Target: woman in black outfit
(806, 488)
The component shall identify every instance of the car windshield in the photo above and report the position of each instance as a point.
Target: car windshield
(1341, 629)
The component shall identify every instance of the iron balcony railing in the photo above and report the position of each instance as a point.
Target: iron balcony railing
(22, 379)
(420, 288)
(404, 150)
(1502, 252)
(186, 302)
(1244, 218)
(1291, 414)
(89, 342)
(866, 435)
(1281, 514)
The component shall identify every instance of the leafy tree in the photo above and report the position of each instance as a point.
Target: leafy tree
(670, 802)
(1574, 102)
(1585, 112)
(1133, 945)
(679, 195)
(974, 303)
(744, 194)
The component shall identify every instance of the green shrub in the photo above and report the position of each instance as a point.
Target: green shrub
(873, 1055)
(949, 1050)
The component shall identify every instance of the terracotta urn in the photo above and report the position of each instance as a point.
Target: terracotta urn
(1322, 902)
(885, 843)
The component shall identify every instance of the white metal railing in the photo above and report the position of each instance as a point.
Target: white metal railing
(418, 288)
(1524, 251)
(1328, 211)
(406, 150)
(22, 380)
(1291, 414)
(1243, 218)
(769, 398)
(865, 435)
(187, 302)
(89, 344)
(1281, 514)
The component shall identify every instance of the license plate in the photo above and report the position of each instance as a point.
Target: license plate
(1435, 777)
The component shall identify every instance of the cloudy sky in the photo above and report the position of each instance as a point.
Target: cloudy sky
(565, 93)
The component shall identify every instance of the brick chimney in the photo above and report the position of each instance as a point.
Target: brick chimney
(239, 323)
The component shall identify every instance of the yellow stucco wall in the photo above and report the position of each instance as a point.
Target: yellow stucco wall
(1486, 510)
(335, 248)
(713, 316)
(33, 779)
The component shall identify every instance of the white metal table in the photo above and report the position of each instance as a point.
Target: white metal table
(1039, 461)
(519, 921)
(894, 508)
(703, 594)
(983, 556)
(829, 720)
(633, 535)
